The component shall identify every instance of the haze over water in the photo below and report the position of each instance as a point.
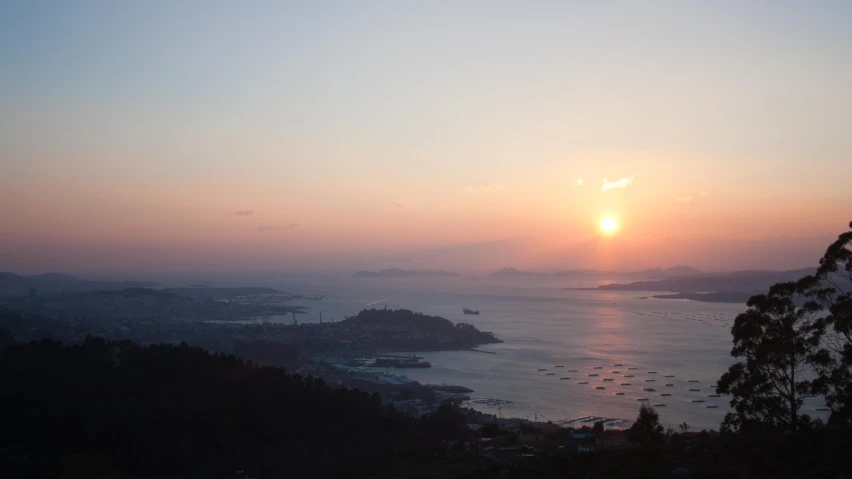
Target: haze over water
(544, 325)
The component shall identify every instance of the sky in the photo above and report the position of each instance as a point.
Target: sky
(171, 136)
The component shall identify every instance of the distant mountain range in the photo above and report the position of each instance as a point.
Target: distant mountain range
(652, 273)
(12, 284)
(402, 273)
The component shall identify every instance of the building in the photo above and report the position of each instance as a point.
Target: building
(529, 435)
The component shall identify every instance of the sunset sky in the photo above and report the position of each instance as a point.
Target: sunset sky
(165, 137)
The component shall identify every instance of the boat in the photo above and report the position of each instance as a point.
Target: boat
(564, 378)
(598, 367)
(641, 399)
(550, 374)
(470, 311)
(668, 385)
(615, 372)
(558, 366)
(650, 380)
(652, 372)
(632, 369)
(823, 409)
(665, 394)
(619, 365)
(593, 375)
(628, 375)
(650, 390)
(542, 369)
(694, 390)
(697, 400)
(625, 384)
(607, 379)
(670, 376)
(583, 382)
(572, 370)
(659, 405)
(713, 396)
(711, 406)
(600, 387)
(619, 394)
(693, 381)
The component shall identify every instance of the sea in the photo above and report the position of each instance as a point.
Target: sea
(567, 355)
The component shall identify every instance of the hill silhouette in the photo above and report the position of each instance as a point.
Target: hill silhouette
(12, 284)
(402, 273)
(118, 409)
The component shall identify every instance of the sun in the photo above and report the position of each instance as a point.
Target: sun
(608, 225)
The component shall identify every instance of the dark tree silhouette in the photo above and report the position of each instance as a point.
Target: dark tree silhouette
(831, 289)
(776, 340)
(647, 428)
(179, 411)
(6, 337)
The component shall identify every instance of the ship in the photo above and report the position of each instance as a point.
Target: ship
(470, 311)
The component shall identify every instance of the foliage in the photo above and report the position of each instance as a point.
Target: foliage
(831, 289)
(120, 409)
(6, 337)
(647, 428)
(776, 340)
(490, 430)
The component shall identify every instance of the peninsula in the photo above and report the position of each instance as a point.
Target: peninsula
(651, 273)
(727, 287)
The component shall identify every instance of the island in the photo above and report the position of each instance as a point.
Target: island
(403, 273)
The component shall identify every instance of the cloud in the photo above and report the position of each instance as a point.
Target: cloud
(243, 213)
(611, 185)
(579, 182)
(486, 188)
(276, 228)
(688, 198)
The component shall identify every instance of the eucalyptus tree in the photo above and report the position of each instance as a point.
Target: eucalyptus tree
(831, 289)
(776, 342)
